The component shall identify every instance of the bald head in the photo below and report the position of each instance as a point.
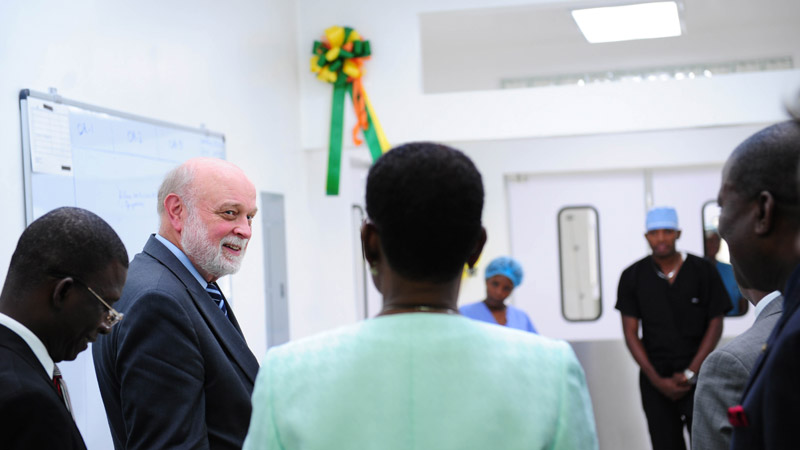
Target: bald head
(760, 210)
(66, 240)
(180, 180)
(57, 258)
(206, 207)
(767, 161)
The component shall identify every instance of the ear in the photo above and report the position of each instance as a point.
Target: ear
(59, 297)
(174, 209)
(370, 243)
(476, 252)
(677, 234)
(765, 218)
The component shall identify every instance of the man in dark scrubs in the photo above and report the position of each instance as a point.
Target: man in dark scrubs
(680, 301)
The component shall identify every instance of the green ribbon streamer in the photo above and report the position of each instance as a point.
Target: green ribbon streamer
(340, 89)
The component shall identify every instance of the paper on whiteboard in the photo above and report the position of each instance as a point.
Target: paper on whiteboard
(51, 150)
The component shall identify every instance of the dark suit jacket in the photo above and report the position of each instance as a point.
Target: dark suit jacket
(771, 400)
(32, 415)
(175, 373)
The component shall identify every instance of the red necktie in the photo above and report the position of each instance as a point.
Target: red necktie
(61, 387)
(57, 382)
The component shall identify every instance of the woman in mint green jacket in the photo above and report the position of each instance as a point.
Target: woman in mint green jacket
(421, 376)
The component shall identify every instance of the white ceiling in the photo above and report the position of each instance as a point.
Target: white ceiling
(475, 49)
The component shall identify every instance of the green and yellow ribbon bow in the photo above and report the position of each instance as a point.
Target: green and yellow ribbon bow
(338, 60)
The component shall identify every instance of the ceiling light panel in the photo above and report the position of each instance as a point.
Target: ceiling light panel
(630, 22)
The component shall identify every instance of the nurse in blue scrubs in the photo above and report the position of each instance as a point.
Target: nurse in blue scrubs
(503, 274)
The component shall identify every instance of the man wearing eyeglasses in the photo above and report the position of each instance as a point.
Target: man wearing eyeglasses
(67, 271)
(177, 373)
(760, 220)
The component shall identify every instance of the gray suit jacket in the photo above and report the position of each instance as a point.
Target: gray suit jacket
(723, 377)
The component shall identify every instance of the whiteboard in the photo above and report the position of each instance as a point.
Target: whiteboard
(108, 162)
(112, 164)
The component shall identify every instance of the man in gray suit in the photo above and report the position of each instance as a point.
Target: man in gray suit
(759, 220)
(724, 374)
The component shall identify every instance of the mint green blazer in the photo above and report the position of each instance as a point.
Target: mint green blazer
(422, 381)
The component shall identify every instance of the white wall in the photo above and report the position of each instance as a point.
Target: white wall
(394, 82)
(228, 65)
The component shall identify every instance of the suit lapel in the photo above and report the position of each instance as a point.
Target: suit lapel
(15, 343)
(231, 315)
(18, 345)
(775, 307)
(226, 331)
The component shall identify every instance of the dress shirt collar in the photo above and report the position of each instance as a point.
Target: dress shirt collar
(766, 301)
(32, 340)
(183, 259)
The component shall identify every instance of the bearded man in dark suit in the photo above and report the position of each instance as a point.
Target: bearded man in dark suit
(178, 373)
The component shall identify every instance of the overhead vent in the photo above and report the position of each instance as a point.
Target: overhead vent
(682, 72)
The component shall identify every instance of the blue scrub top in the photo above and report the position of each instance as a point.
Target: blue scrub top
(515, 317)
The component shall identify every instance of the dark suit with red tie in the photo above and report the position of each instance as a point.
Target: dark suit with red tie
(768, 415)
(175, 373)
(32, 415)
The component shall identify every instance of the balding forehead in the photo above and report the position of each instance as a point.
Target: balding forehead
(218, 170)
(214, 164)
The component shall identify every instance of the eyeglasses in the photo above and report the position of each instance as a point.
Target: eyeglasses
(112, 316)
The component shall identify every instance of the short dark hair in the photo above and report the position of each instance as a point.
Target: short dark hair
(426, 200)
(768, 161)
(65, 241)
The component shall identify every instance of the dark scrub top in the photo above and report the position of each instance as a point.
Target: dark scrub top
(674, 317)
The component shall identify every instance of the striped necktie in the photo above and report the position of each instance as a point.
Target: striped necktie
(61, 387)
(216, 295)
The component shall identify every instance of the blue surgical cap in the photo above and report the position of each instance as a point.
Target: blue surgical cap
(662, 218)
(507, 267)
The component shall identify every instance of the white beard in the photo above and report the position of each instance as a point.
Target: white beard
(207, 255)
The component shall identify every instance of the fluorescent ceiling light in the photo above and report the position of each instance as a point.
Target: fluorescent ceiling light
(626, 23)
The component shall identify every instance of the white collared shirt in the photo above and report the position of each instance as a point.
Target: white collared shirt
(32, 340)
(766, 301)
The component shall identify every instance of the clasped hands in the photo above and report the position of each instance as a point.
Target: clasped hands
(674, 387)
